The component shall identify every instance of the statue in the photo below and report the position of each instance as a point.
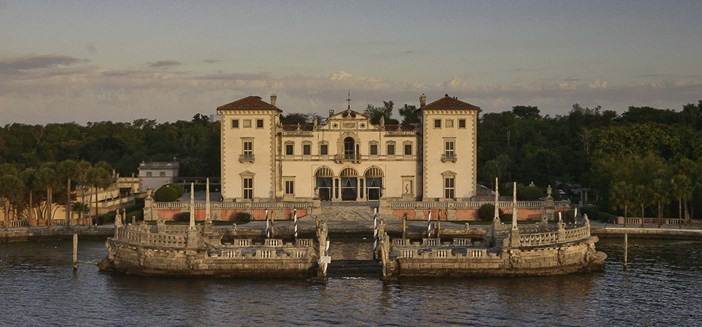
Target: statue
(549, 191)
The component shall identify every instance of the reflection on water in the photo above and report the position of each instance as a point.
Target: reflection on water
(661, 286)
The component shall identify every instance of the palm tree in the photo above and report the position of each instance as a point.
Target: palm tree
(68, 170)
(622, 197)
(99, 177)
(82, 179)
(29, 178)
(682, 189)
(661, 194)
(10, 192)
(46, 176)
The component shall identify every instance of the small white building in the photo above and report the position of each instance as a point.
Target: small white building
(156, 174)
(348, 158)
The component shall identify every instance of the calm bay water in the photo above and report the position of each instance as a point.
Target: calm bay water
(662, 286)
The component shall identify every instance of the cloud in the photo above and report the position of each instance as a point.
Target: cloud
(164, 64)
(33, 62)
(91, 48)
(211, 61)
(57, 88)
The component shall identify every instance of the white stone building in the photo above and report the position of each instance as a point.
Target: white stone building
(348, 158)
(156, 174)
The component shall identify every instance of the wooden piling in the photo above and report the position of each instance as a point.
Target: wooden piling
(626, 249)
(75, 252)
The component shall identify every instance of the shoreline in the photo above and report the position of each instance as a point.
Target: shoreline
(338, 229)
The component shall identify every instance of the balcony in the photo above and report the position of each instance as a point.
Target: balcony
(449, 156)
(348, 157)
(249, 157)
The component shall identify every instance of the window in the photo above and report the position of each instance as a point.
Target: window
(247, 123)
(408, 149)
(449, 122)
(449, 187)
(248, 147)
(323, 149)
(307, 149)
(149, 174)
(289, 149)
(259, 123)
(461, 123)
(248, 188)
(289, 187)
(391, 148)
(235, 123)
(437, 123)
(162, 174)
(449, 149)
(373, 149)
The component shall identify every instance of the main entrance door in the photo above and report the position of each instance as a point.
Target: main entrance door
(349, 186)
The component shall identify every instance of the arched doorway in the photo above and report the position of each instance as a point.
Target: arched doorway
(349, 184)
(323, 182)
(349, 148)
(374, 183)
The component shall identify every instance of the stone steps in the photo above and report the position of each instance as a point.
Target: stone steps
(346, 213)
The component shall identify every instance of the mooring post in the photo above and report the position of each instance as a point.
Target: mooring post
(75, 251)
(375, 233)
(626, 249)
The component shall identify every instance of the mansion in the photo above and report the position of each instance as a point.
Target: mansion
(346, 157)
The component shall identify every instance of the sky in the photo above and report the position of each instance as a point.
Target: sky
(83, 61)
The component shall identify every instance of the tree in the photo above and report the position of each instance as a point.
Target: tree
(47, 179)
(526, 112)
(99, 177)
(10, 192)
(385, 111)
(68, 170)
(82, 180)
(622, 196)
(682, 190)
(410, 115)
(294, 119)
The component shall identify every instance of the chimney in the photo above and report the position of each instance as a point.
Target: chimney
(273, 98)
(331, 113)
(422, 100)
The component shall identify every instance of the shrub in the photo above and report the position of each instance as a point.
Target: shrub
(241, 217)
(486, 212)
(529, 193)
(167, 193)
(182, 217)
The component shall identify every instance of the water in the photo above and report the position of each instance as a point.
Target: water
(662, 286)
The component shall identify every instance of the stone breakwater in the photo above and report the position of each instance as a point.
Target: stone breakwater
(535, 250)
(163, 250)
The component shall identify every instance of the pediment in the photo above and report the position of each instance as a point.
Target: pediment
(348, 119)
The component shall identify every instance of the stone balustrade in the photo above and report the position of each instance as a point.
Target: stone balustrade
(471, 204)
(444, 253)
(552, 238)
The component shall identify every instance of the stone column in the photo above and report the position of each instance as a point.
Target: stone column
(207, 201)
(358, 188)
(192, 206)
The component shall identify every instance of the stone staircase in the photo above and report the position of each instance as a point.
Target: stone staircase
(347, 213)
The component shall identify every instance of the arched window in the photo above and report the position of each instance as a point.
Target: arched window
(374, 183)
(349, 148)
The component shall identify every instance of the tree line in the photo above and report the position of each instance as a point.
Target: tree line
(644, 161)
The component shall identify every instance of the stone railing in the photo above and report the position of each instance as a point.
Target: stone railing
(443, 253)
(472, 204)
(556, 237)
(19, 223)
(640, 221)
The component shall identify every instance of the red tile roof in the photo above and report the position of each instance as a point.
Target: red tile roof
(249, 103)
(448, 102)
